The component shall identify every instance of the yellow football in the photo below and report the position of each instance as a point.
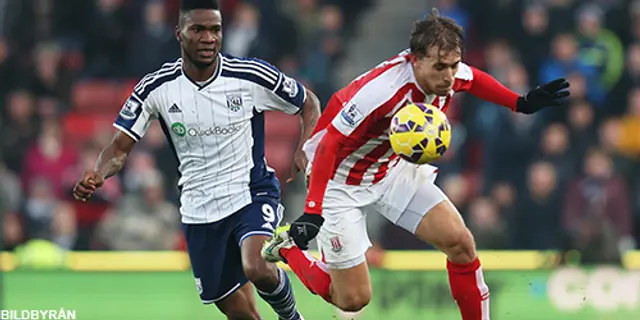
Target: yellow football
(420, 133)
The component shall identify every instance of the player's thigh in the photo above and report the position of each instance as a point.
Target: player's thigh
(400, 187)
(215, 259)
(257, 270)
(261, 217)
(343, 242)
(240, 305)
(432, 217)
(256, 224)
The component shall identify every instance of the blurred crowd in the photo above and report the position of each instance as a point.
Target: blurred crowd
(567, 178)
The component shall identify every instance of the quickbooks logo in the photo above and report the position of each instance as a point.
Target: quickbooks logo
(179, 129)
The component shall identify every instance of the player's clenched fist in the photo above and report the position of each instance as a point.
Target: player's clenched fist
(305, 228)
(88, 184)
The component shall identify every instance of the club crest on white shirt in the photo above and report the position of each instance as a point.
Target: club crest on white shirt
(234, 101)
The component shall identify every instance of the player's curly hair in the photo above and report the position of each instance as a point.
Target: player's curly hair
(436, 31)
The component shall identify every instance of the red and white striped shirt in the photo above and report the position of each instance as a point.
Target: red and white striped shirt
(350, 143)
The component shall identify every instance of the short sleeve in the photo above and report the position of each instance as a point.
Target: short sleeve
(135, 116)
(288, 95)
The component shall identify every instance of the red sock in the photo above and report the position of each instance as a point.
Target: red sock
(311, 271)
(469, 290)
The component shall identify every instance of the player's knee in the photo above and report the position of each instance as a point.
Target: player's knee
(459, 246)
(353, 302)
(261, 274)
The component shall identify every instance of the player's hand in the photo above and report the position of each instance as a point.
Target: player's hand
(88, 184)
(550, 94)
(305, 228)
(299, 164)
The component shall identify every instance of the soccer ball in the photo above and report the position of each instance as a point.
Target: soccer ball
(420, 133)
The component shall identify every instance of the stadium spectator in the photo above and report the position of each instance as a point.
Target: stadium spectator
(46, 217)
(144, 220)
(47, 77)
(609, 139)
(581, 124)
(600, 48)
(564, 62)
(241, 37)
(536, 224)
(488, 227)
(597, 212)
(19, 129)
(12, 233)
(514, 150)
(504, 195)
(10, 201)
(323, 53)
(50, 158)
(534, 38)
(457, 189)
(153, 43)
(554, 149)
(105, 42)
(8, 71)
(630, 79)
(629, 142)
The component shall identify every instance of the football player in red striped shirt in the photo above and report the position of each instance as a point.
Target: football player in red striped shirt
(354, 172)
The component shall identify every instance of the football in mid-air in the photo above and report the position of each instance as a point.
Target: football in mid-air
(420, 133)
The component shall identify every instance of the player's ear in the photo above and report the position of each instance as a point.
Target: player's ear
(178, 33)
(413, 59)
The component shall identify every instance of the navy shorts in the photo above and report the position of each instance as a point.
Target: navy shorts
(214, 248)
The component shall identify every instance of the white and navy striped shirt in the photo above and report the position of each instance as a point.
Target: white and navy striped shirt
(216, 129)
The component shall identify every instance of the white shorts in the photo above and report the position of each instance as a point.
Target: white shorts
(404, 196)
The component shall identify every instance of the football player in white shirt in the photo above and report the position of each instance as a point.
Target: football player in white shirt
(211, 107)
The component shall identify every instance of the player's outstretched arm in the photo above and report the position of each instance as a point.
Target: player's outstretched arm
(486, 87)
(110, 162)
(309, 118)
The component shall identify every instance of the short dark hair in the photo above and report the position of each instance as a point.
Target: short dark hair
(436, 31)
(186, 6)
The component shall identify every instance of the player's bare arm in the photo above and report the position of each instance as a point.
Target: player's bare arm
(110, 162)
(112, 158)
(309, 118)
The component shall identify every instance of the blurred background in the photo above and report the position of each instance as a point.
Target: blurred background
(565, 181)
